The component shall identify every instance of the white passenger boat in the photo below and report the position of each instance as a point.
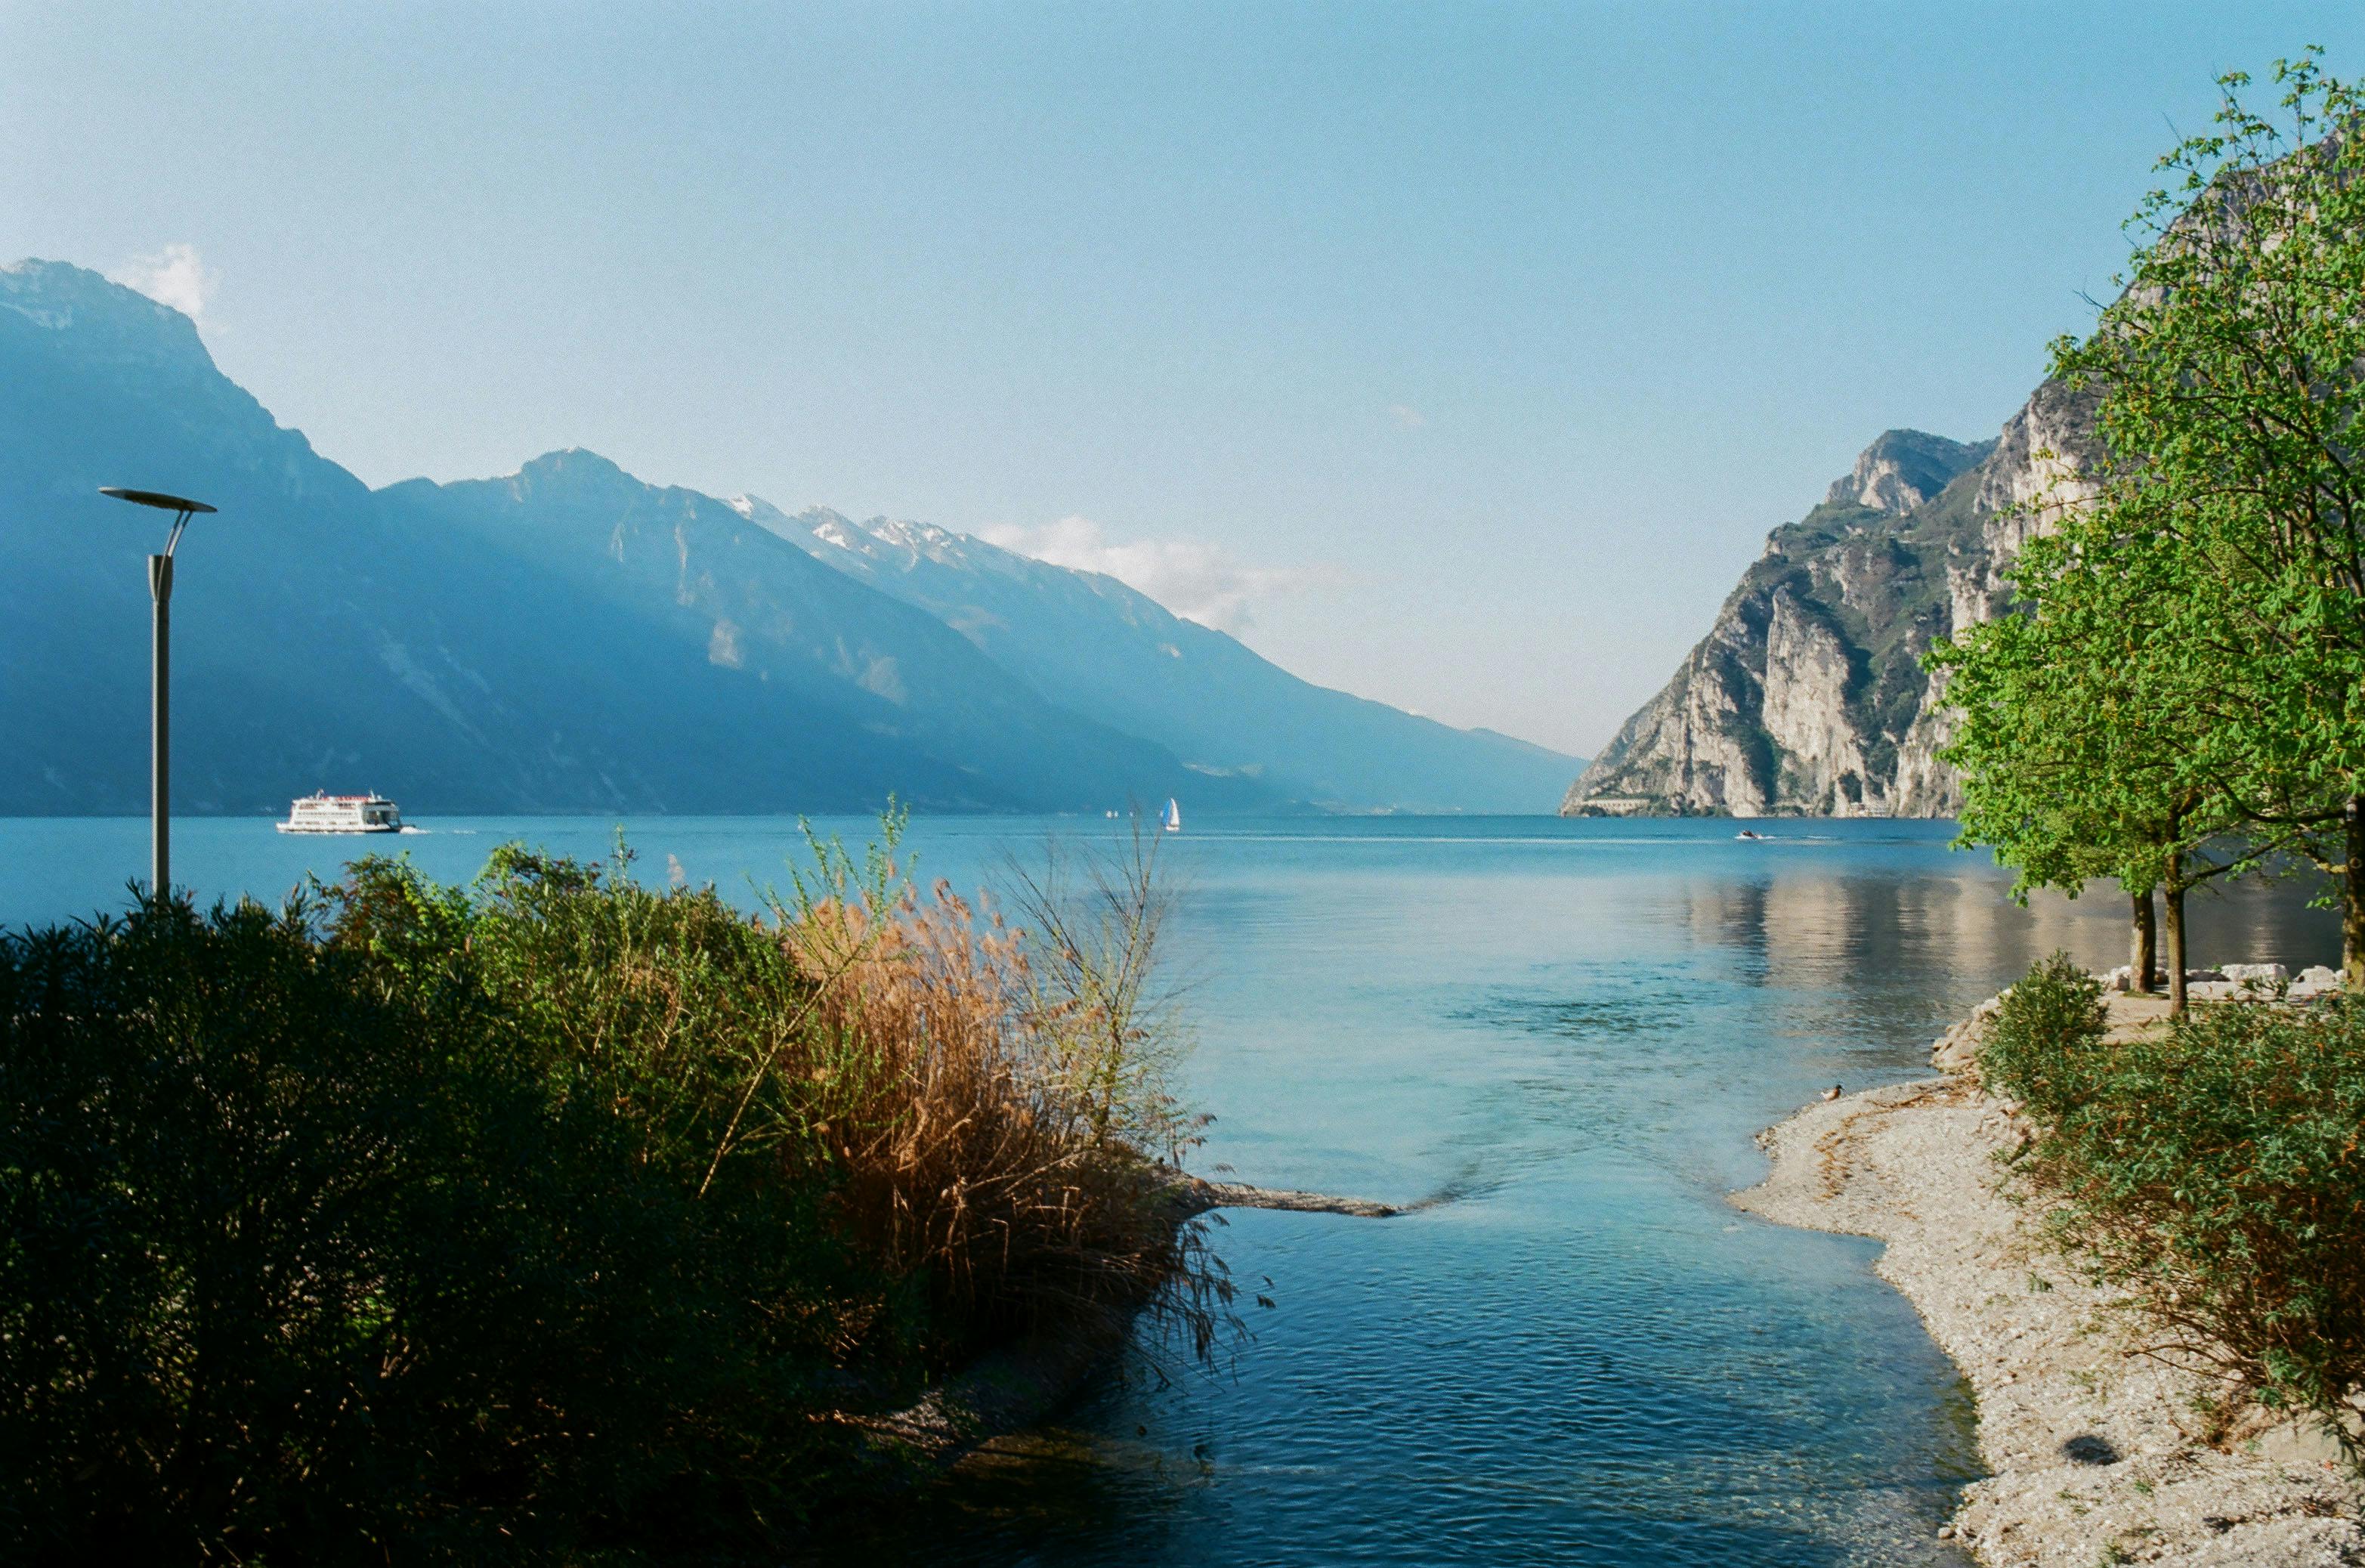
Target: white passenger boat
(324, 813)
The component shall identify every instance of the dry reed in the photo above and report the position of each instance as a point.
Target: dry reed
(1001, 1117)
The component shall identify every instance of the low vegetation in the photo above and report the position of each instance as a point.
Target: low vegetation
(2211, 1170)
(557, 1215)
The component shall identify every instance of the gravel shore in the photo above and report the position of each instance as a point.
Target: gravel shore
(2097, 1454)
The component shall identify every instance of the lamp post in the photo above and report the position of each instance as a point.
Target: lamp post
(160, 742)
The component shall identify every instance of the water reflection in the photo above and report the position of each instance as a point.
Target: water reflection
(1807, 926)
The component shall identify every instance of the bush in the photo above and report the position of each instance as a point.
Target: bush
(2211, 1169)
(2046, 1029)
(552, 1216)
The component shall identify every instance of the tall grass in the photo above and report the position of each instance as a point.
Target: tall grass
(1006, 1124)
(2212, 1172)
(555, 1214)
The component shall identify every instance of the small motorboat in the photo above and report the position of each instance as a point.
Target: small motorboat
(1748, 833)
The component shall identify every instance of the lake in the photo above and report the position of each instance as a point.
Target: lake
(1570, 1032)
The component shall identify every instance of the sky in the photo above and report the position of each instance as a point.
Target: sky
(1459, 355)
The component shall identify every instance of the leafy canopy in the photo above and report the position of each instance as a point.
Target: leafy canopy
(2185, 658)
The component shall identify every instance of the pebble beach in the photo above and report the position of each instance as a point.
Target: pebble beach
(2094, 1450)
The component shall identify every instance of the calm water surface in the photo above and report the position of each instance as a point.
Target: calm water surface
(1571, 1029)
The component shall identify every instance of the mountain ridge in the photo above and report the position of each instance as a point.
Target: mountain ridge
(565, 638)
(1224, 709)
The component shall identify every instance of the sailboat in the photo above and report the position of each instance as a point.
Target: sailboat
(1173, 816)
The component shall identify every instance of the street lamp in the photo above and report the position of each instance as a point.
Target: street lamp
(160, 588)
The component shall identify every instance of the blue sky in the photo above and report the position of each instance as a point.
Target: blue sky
(1459, 355)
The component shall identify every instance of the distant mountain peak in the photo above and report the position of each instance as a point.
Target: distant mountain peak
(573, 468)
(1904, 469)
(880, 541)
(28, 285)
(920, 538)
(1808, 695)
(132, 327)
(579, 459)
(799, 528)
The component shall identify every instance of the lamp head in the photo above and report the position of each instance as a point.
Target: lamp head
(156, 498)
(180, 506)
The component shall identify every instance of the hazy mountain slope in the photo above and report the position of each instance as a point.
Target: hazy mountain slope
(326, 636)
(1807, 694)
(570, 638)
(288, 638)
(802, 643)
(1088, 642)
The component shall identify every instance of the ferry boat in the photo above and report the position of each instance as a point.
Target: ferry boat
(324, 813)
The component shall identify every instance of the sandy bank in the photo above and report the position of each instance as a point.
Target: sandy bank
(2095, 1452)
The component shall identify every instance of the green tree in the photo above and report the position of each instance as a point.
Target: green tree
(2078, 748)
(2231, 379)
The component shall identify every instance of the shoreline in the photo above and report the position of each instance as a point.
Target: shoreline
(2095, 1453)
(1016, 1385)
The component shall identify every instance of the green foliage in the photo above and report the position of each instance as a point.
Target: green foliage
(2232, 381)
(2179, 693)
(241, 1199)
(309, 1251)
(2054, 1010)
(2074, 766)
(2211, 1170)
(555, 1215)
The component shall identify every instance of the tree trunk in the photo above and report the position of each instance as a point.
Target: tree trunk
(2143, 958)
(2174, 902)
(2352, 900)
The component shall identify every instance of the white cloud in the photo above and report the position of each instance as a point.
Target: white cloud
(1406, 415)
(1194, 580)
(175, 275)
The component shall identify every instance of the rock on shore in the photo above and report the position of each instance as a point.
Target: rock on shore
(2097, 1454)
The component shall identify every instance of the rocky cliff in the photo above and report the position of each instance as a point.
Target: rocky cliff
(1807, 695)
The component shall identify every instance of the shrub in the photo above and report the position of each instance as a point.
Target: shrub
(554, 1215)
(2211, 1170)
(2044, 1030)
(249, 1213)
